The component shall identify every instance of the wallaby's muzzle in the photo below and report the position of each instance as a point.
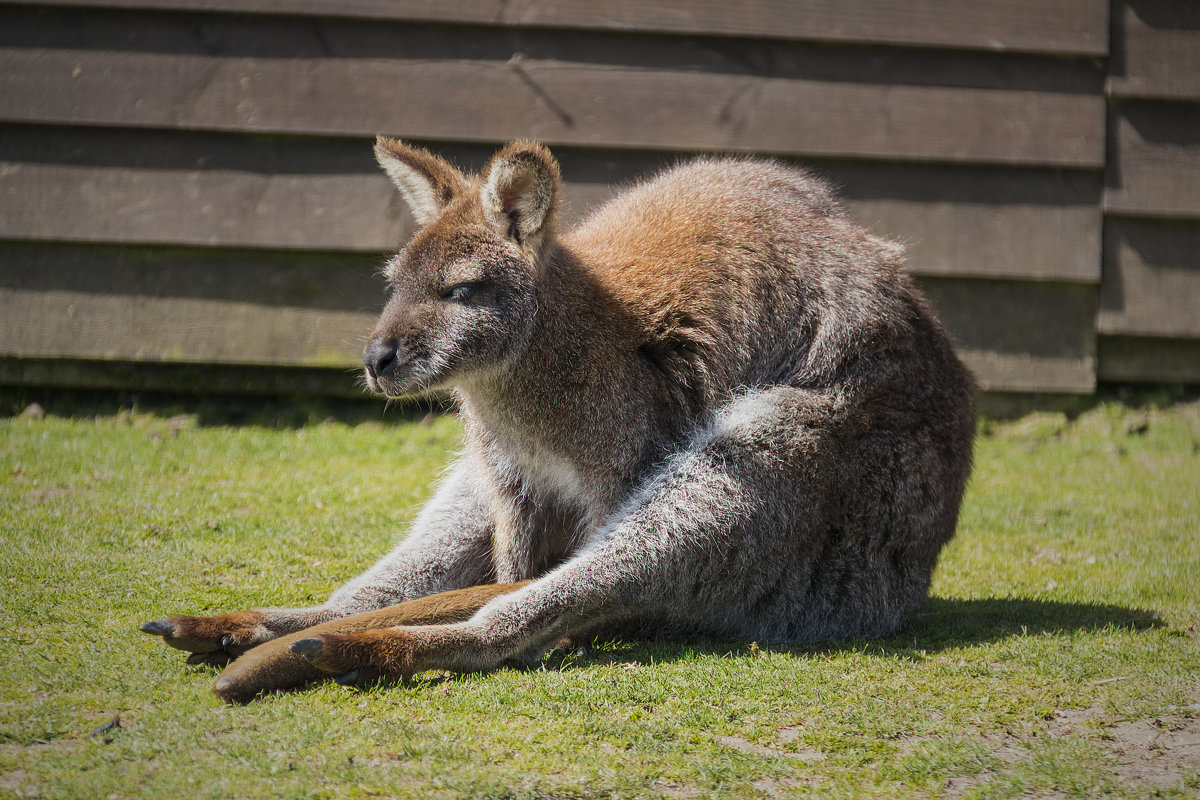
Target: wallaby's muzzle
(379, 356)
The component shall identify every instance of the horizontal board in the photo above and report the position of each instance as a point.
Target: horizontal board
(359, 213)
(149, 187)
(477, 85)
(1065, 26)
(1151, 283)
(187, 379)
(1155, 166)
(995, 223)
(1021, 337)
(340, 282)
(135, 327)
(212, 207)
(91, 204)
(1156, 49)
(1140, 359)
(1015, 336)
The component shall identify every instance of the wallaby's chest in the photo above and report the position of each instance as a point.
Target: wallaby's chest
(546, 475)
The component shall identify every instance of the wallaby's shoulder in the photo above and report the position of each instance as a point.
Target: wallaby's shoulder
(706, 200)
(700, 232)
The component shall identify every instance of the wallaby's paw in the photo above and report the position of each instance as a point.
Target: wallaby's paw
(223, 635)
(362, 657)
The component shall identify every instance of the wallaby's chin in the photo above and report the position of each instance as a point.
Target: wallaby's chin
(410, 383)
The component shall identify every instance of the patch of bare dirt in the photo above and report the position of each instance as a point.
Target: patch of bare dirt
(43, 495)
(1158, 751)
(676, 789)
(747, 746)
(18, 782)
(1075, 720)
(779, 787)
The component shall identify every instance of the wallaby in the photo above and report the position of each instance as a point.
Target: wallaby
(716, 407)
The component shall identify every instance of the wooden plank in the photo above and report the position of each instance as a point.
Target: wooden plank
(360, 213)
(1009, 343)
(152, 187)
(188, 379)
(132, 327)
(187, 307)
(347, 79)
(186, 188)
(1155, 167)
(1021, 337)
(1156, 49)
(210, 207)
(1078, 27)
(1136, 359)
(341, 282)
(996, 223)
(1151, 283)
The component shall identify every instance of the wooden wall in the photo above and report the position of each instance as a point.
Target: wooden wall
(187, 193)
(1149, 319)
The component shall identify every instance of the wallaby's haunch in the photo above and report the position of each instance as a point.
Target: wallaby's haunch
(716, 407)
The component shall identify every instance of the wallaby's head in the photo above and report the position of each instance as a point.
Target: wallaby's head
(462, 292)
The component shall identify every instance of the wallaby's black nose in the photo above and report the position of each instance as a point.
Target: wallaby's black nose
(380, 356)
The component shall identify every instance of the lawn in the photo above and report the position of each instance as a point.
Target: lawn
(1059, 655)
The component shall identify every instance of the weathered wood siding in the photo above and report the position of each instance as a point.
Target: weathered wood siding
(188, 184)
(1149, 319)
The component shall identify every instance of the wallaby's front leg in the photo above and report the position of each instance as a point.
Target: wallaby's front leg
(722, 541)
(275, 665)
(678, 555)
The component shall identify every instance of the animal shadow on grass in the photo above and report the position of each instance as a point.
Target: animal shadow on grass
(941, 624)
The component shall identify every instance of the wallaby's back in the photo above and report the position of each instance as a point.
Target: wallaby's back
(755, 269)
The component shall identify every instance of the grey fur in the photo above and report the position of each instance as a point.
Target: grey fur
(718, 407)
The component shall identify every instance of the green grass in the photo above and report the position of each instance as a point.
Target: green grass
(1067, 604)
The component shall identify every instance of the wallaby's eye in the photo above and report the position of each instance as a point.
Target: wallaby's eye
(460, 292)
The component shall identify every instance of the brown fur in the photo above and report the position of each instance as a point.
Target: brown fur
(273, 665)
(718, 406)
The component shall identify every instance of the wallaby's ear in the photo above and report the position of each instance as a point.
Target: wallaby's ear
(427, 182)
(520, 190)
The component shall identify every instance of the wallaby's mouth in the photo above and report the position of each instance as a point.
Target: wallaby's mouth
(392, 388)
(402, 380)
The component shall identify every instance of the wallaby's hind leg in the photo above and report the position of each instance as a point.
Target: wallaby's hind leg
(274, 665)
(746, 534)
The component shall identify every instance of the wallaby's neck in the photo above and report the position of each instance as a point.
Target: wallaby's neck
(574, 391)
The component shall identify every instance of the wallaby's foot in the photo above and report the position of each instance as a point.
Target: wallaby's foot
(218, 638)
(285, 663)
(363, 657)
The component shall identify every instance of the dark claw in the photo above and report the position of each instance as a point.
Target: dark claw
(227, 640)
(158, 627)
(307, 647)
(347, 679)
